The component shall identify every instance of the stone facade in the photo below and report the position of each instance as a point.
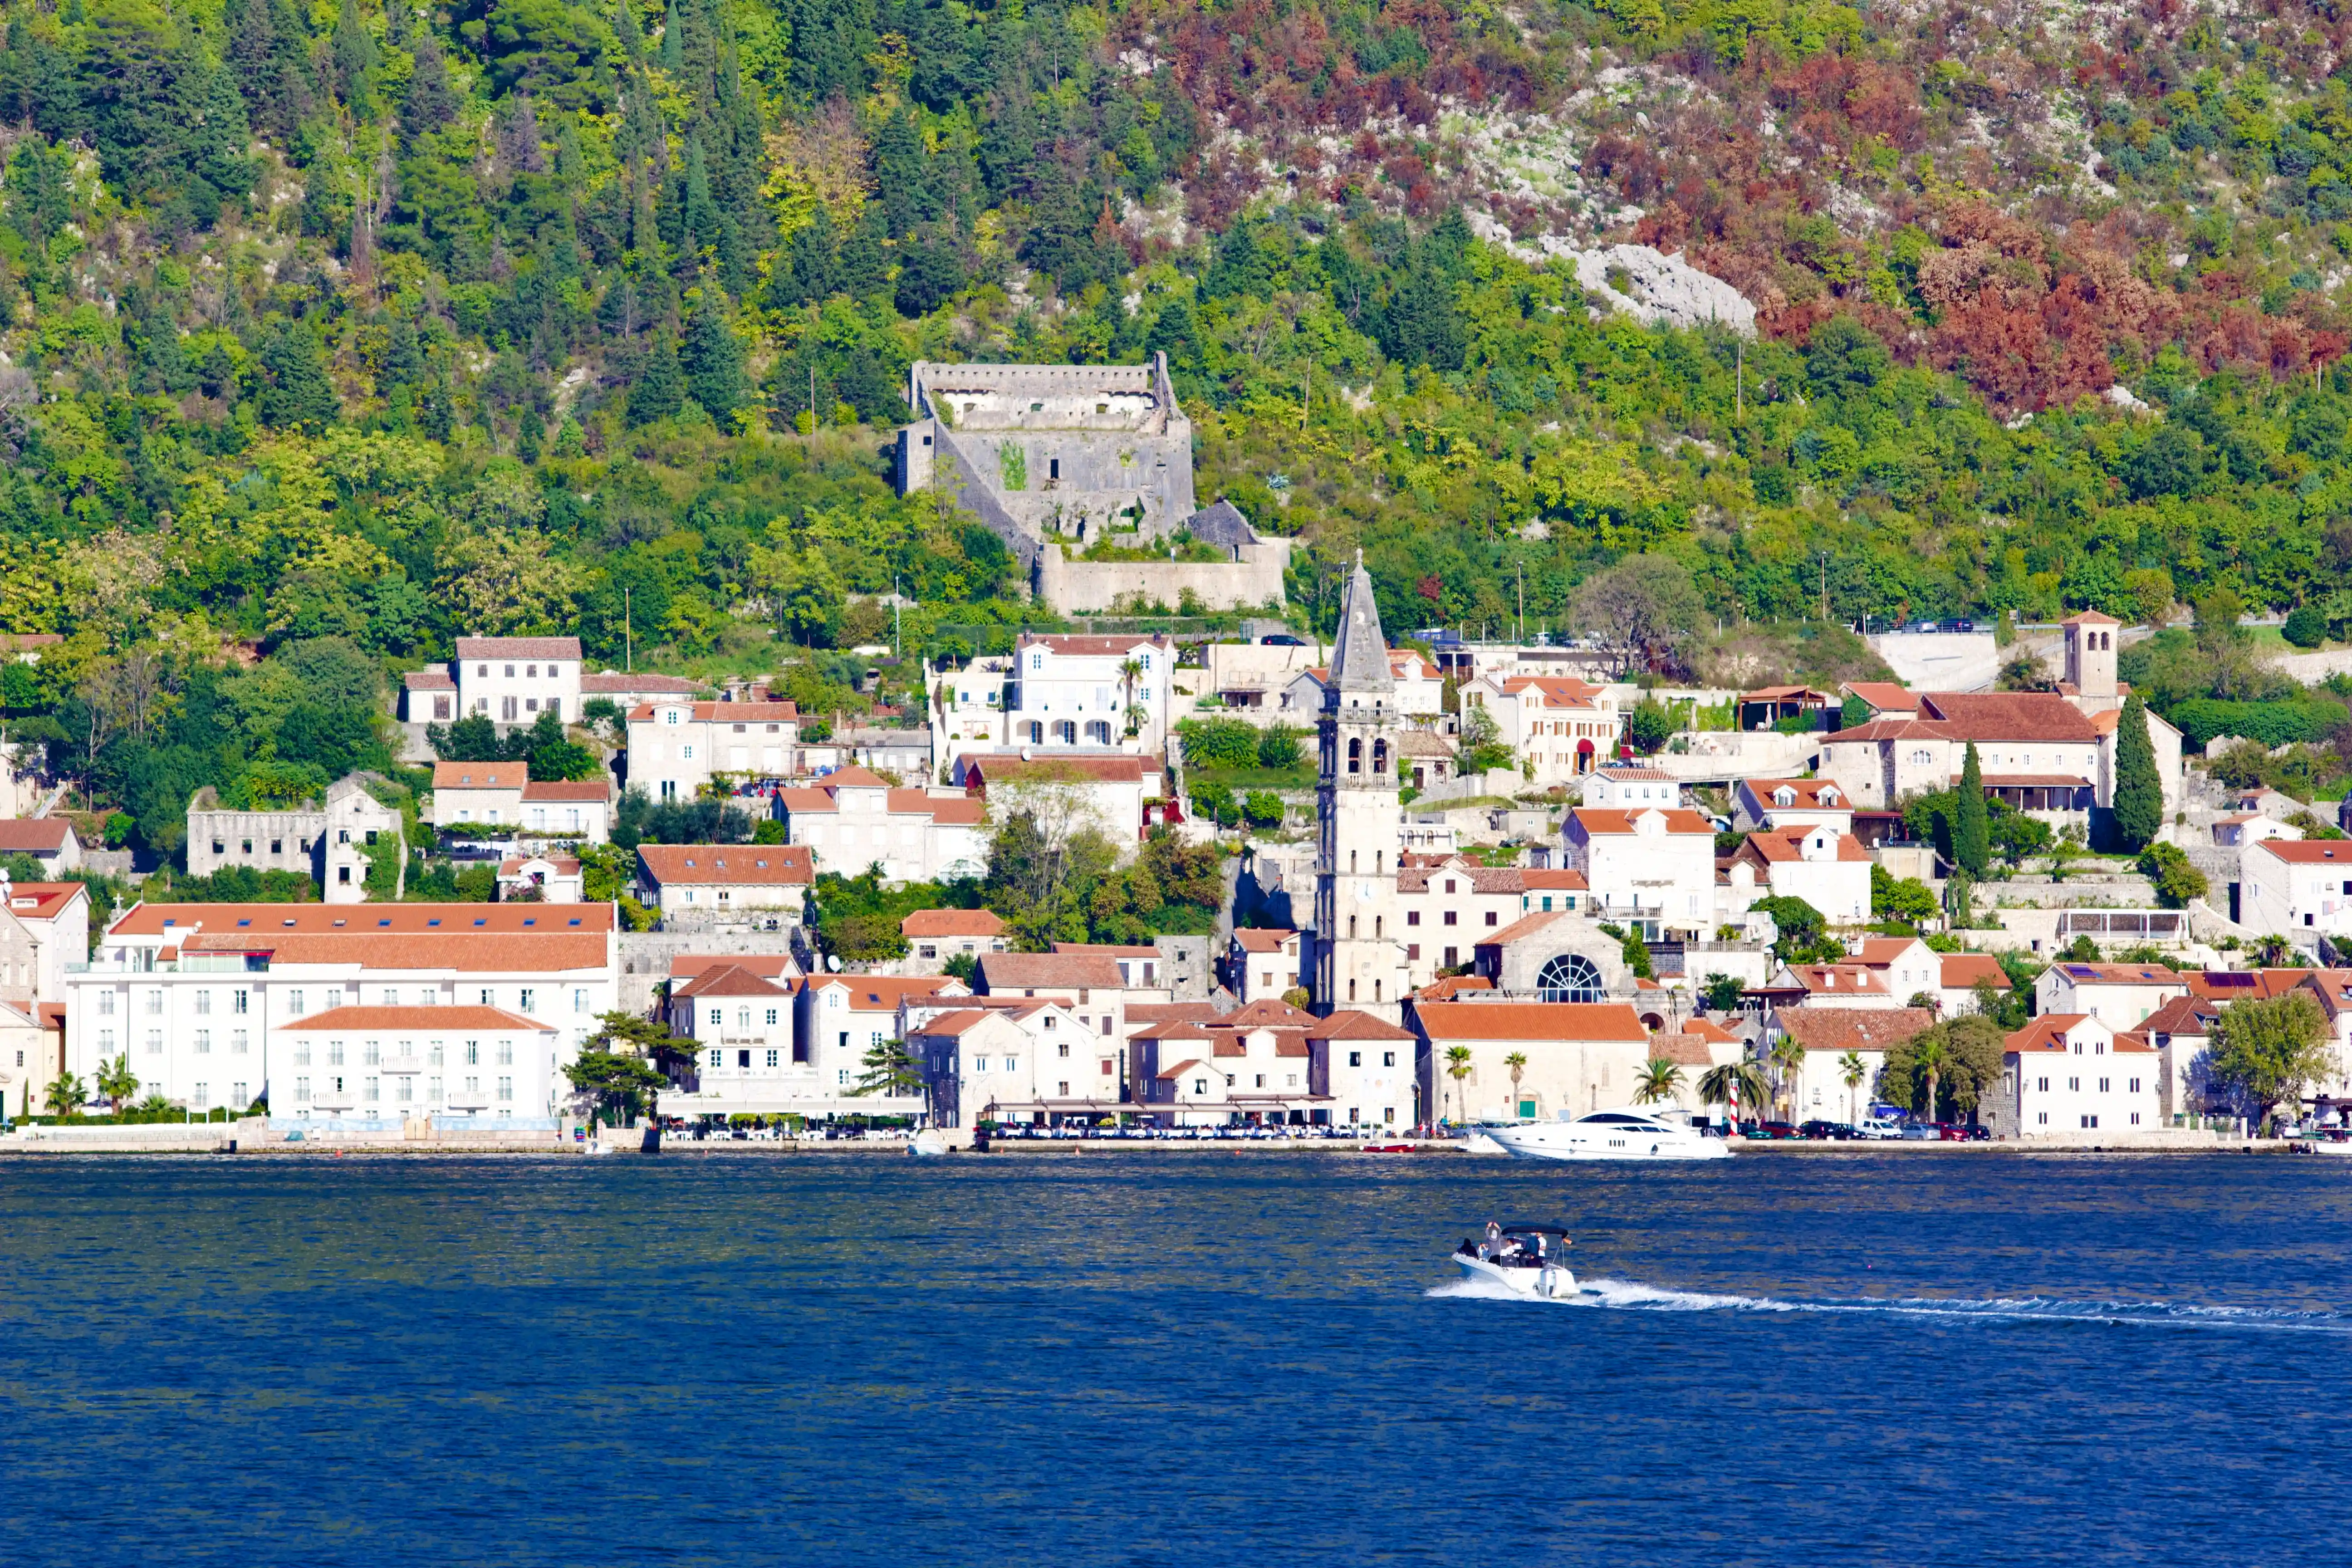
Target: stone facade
(1048, 456)
(329, 843)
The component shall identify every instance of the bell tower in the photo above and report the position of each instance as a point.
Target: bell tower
(2091, 661)
(1359, 954)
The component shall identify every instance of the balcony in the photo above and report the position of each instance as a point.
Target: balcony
(403, 1064)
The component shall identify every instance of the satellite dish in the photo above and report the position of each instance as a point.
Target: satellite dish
(833, 962)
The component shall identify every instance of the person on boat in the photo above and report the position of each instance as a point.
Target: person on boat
(1492, 1247)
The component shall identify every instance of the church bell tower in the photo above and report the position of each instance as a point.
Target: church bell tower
(1358, 950)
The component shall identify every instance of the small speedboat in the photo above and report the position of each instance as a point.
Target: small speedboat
(1480, 1141)
(927, 1145)
(1623, 1134)
(1528, 1260)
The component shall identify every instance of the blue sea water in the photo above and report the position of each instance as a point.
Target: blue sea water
(1170, 1358)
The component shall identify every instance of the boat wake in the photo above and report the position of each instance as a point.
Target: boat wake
(1630, 1296)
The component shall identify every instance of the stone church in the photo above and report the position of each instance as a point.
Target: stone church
(1361, 953)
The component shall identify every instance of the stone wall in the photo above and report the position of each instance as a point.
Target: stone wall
(1089, 587)
(645, 956)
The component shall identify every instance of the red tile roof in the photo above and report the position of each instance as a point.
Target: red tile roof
(1594, 820)
(43, 900)
(729, 865)
(1557, 1021)
(480, 775)
(1966, 971)
(883, 993)
(1884, 695)
(1453, 985)
(1051, 971)
(2294, 851)
(1808, 793)
(570, 789)
(275, 920)
(2182, 1015)
(1263, 941)
(419, 1020)
(728, 980)
(1832, 1031)
(1101, 769)
(1348, 1025)
(1784, 846)
(951, 922)
(428, 680)
(1493, 880)
(768, 965)
(2008, 716)
(728, 712)
(1064, 644)
(467, 951)
(519, 647)
(1554, 879)
(33, 833)
(2048, 1033)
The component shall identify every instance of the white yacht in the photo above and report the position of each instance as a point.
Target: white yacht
(1628, 1133)
(1525, 1259)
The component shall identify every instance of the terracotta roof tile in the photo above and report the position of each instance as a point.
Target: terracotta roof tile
(467, 951)
(1263, 941)
(1832, 1031)
(1595, 820)
(33, 833)
(519, 647)
(418, 1020)
(729, 865)
(1558, 1021)
(242, 922)
(2008, 716)
(951, 922)
(480, 775)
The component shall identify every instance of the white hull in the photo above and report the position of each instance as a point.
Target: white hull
(1550, 1283)
(1481, 1144)
(1603, 1141)
(927, 1145)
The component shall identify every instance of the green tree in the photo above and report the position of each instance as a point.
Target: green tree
(891, 1070)
(1930, 1058)
(1971, 839)
(1736, 1085)
(660, 389)
(1722, 992)
(116, 1082)
(2139, 789)
(2176, 880)
(300, 396)
(1787, 1058)
(67, 1095)
(1517, 1062)
(620, 1088)
(1852, 713)
(1658, 1080)
(1904, 898)
(1650, 726)
(1851, 1071)
(712, 357)
(1803, 931)
(2269, 1050)
(1458, 1067)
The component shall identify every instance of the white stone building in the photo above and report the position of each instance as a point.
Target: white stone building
(1357, 956)
(677, 748)
(726, 878)
(198, 996)
(464, 1061)
(1088, 692)
(2299, 888)
(1790, 803)
(1580, 1056)
(1565, 727)
(2068, 1074)
(1827, 868)
(1651, 870)
(839, 1019)
(1262, 965)
(853, 819)
(508, 680)
(936, 937)
(549, 878)
(50, 840)
(1816, 1087)
(2120, 995)
(1109, 792)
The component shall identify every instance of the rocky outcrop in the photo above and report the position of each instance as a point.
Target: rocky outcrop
(1655, 288)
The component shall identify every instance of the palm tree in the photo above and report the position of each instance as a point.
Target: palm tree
(2272, 952)
(117, 1081)
(1789, 1057)
(1130, 672)
(1733, 1084)
(1458, 1067)
(1932, 1056)
(1517, 1062)
(1659, 1079)
(67, 1095)
(1851, 1073)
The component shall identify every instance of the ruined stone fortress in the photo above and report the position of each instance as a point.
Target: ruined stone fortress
(1059, 459)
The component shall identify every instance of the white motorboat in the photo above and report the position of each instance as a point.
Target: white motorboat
(927, 1145)
(1528, 1260)
(1622, 1134)
(1480, 1141)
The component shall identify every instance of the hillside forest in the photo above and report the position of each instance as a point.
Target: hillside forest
(332, 329)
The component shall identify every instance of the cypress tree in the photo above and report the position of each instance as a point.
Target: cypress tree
(2139, 791)
(660, 391)
(1972, 832)
(429, 103)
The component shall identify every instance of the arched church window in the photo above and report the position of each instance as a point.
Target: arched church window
(1570, 977)
(1379, 756)
(1355, 756)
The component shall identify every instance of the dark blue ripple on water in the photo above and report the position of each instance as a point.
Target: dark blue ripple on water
(1172, 1358)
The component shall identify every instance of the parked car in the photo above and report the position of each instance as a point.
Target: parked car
(1775, 1129)
(1281, 639)
(1977, 1134)
(1878, 1127)
(1837, 1131)
(1922, 1133)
